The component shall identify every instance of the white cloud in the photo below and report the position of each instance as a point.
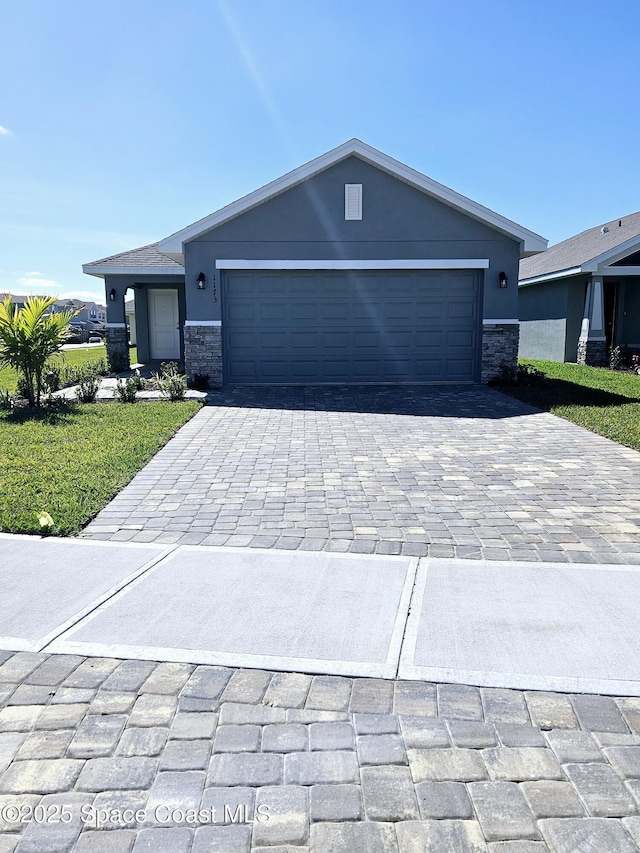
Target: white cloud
(35, 282)
(4, 131)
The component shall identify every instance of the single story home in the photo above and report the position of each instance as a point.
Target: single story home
(353, 268)
(581, 297)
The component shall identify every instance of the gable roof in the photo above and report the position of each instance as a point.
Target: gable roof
(586, 251)
(144, 260)
(529, 241)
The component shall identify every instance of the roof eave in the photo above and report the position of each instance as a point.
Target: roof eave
(100, 270)
(550, 276)
(530, 242)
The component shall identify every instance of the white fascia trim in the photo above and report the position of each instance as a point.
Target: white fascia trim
(490, 322)
(531, 242)
(549, 276)
(619, 271)
(399, 264)
(115, 325)
(107, 269)
(613, 255)
(203, 322)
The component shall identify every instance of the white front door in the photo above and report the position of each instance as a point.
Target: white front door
(164, 324)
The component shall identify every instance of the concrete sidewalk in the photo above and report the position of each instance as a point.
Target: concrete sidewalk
(557, 627)
(170, 750)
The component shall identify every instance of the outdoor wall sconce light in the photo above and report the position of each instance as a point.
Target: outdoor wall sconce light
(201, 280)
(502, 278)
(112, 295)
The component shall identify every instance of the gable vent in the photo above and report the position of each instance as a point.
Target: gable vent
(353, 201)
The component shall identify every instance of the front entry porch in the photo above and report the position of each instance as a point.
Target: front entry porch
(611, 318)
(158, 316)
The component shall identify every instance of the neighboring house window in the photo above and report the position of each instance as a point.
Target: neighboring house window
(353, 201)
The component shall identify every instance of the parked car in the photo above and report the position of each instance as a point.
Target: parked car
(78, 334)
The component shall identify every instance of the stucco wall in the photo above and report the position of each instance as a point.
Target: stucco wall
(542, 339)
(307, 222)
(542, 311)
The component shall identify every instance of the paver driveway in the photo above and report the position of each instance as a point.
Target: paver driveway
(456, 471)
(99, 755)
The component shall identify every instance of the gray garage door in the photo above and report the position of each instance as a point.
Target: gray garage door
(350, 327)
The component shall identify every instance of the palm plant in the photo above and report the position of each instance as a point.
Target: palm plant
(29, 336)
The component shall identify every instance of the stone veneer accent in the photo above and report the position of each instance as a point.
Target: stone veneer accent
(592, 352)
(203, 353)
(117, 341)
(499, 348)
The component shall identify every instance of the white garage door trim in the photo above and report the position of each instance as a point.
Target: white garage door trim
(404, 264)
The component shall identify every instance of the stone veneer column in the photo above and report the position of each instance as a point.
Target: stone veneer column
(203, 350)
(499, 348)
(117, 341)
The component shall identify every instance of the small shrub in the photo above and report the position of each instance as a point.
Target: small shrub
(51, 379)
(507, 375)
(615, 358)
(127, 390)
(530, 377)
(74, 375)
(525, 375)
(6, 400)
(200, 381)
(88, 384)
(171, 383)
(137, 381)
(22, 387)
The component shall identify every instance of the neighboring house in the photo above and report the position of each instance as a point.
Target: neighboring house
(351, 269)
(89, 313)
(581, 297)
(130, 311)
(17, 299)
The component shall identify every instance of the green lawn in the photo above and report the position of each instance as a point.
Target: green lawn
(70, 463)
(69, 358)
(604, 401)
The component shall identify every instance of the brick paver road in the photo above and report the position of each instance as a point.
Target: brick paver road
(115, 756)
(444, 471)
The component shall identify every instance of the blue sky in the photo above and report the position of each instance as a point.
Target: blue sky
(122, 122)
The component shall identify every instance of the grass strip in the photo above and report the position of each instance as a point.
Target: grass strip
(70, 463)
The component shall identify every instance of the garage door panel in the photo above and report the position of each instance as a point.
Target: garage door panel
(459, 367)
(350, 326)
(464, 339)
(459, 310)
(335, 339)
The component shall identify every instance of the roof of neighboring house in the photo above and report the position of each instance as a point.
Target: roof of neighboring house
(16, 298)
(584, 248)
(136, 261)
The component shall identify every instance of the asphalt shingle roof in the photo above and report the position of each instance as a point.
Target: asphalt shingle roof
(583, 247)
(144, 256)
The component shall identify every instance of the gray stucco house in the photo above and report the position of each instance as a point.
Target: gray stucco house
(581, 297)
(353, 268)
